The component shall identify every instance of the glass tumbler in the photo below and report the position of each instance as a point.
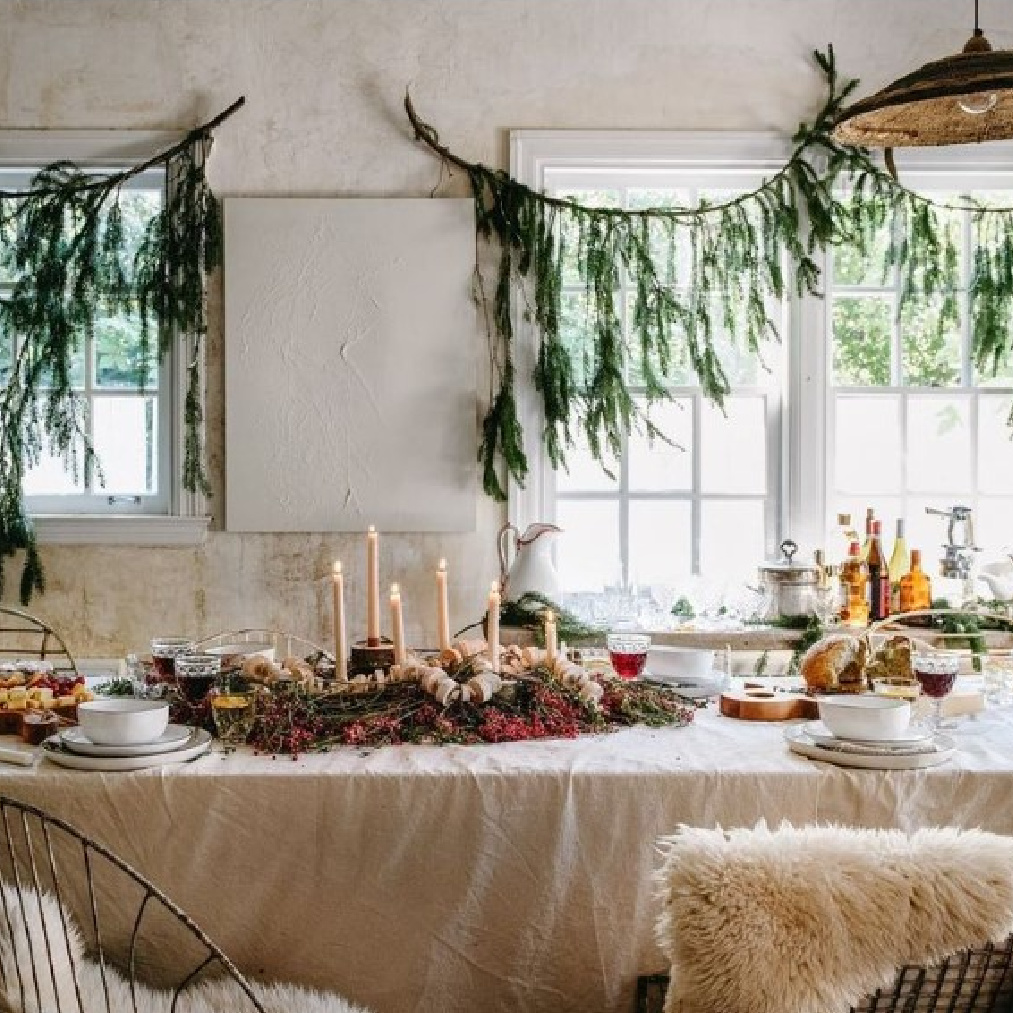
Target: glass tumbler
(997, 677)
(196, 674)
(234, 713)
(628, 653)
(936, 674)
(164, 652)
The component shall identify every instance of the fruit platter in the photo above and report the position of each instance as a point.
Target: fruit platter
(31, 686)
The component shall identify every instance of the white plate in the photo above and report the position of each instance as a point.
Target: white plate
(172, 738)
(799, 742)
(695, 687)
(820, 734)
(198, 744)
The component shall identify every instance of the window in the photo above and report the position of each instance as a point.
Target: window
(135, 427)
(864, 404)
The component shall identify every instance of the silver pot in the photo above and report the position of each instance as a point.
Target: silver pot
(790, 586)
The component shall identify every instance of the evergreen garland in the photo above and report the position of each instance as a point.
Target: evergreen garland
(827, 193)
(63, 244)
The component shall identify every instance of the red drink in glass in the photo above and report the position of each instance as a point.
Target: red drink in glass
(936, 684)
(628, 654)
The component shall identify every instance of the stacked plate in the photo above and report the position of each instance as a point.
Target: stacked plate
(915, 747)
(177, 744)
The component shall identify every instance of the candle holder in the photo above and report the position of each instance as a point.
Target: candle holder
(366, 658)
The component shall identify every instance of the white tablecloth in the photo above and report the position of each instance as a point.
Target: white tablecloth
(509, 877)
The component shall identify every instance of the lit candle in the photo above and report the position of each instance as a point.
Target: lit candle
(340, 643)
(372, 587)
(493, 623)
(551, 646)
(442, 605)
(397, 624)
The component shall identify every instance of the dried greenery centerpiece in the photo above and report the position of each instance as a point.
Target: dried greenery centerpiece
(827, 193)
(70, 260)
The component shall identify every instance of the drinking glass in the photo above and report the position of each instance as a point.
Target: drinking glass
(196, 674)
(234, 712)
(997, 677)
(164, 652)
(628, 653)
(936, 673)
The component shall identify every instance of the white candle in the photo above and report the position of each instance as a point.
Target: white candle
(551, 647)
(340, 643)
(397, 624)
(372, 587)
(443, 610)
(493, 623)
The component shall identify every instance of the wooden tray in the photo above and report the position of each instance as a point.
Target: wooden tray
(762, 704)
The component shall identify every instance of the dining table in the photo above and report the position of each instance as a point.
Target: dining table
(503, 877)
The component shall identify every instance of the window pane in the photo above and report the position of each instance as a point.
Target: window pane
(574, 332)
(680, 372)
(992, 525)
(583, 473)
(661, 536)
(924, 531)
(867, 444)
(571, 237)
(6, 358)
(862, 339)
(654, 465)
(126, 444)
(588, 553)
(77, 373)
(732, 538)
(733, 449)
(852, 268)
(51, 477)
(995, 449)
(119, 362)
(930, 341)
(939, 445)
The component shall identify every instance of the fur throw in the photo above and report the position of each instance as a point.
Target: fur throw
(44, 918)
(811, 920)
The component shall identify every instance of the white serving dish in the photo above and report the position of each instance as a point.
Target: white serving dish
(869, 717)
(174, 737)
(122, 721)
(664, 661)
(916, 735)
(800, 743)
(228, 652)
(197, 745)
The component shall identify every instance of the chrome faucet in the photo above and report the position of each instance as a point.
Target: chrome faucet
(959, 551)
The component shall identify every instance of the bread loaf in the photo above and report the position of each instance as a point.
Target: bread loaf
(835, 664)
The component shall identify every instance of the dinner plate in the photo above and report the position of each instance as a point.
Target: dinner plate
(913, 736)
(693, 686)
(196, 745)
(172, 738)
(800, 743)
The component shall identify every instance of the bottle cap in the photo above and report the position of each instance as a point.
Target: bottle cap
(900, 527)
(854, 549)
(916, 558)
(877, 527)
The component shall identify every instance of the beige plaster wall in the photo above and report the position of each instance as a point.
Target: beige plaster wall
(324, 83)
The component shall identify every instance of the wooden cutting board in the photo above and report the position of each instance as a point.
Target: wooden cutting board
(762, 704)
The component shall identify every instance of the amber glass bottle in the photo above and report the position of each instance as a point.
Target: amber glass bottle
(854, 605)
(879, 577)
(915, 587)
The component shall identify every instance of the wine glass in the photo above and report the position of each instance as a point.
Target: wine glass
(936, 673)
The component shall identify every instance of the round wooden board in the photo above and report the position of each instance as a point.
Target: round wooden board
(767, 705)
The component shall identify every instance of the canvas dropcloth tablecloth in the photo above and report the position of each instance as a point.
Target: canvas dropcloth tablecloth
(511, 877)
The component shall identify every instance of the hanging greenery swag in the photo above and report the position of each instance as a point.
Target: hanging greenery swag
(826, 193)
(70, 260)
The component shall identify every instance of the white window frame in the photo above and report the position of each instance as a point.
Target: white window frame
(662, 159)
(185, 520)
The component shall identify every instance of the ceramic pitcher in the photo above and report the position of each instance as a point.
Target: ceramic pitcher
(532, 568)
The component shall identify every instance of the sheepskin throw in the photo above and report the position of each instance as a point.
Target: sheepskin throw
(811, 920)
(46, 991)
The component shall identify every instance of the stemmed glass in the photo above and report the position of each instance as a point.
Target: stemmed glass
(936, 673)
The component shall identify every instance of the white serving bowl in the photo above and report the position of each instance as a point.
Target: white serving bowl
(870, 717)
(679, 662)
(123, 721)
(232, 654)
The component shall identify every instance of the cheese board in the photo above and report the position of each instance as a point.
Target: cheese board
(762, 703)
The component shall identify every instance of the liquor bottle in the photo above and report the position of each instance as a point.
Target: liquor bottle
(848, 533)
(915, 588)
(854, 605)
(879, 577)
(870, 519)
(900, 563)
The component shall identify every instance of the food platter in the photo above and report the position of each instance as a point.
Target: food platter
(870, 757)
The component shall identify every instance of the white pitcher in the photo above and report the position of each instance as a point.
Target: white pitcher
(532, 568)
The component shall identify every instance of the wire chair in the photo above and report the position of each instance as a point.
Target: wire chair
(59, 889)
(26, 636)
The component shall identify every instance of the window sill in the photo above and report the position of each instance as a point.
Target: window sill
(93, 529)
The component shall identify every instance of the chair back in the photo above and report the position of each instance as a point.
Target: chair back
(26, 636)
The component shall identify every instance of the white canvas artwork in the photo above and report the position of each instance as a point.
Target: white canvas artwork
(350, 357)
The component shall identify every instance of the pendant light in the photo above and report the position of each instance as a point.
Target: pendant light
(961, 99)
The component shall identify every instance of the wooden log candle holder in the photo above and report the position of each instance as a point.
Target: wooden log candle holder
(366, 658)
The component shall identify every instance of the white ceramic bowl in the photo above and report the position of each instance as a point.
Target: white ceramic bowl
(122, 721)
(679, 662)
(871, 717)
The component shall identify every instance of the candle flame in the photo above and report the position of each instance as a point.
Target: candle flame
(337, 568)
(372, 529)
(443, 565)
(395, 589)
(495, 587)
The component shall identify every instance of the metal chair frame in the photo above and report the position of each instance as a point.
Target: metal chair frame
(51, 644)
(31, 874)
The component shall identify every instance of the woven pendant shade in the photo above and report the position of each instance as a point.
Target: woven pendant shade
(959, 100)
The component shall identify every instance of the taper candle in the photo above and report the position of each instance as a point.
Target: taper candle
(340, 641)
(372, 587)
(397, 624)
(551, 646)
(493, 623)
(443, 609)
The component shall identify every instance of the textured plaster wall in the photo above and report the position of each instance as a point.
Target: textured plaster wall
(324, 83)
